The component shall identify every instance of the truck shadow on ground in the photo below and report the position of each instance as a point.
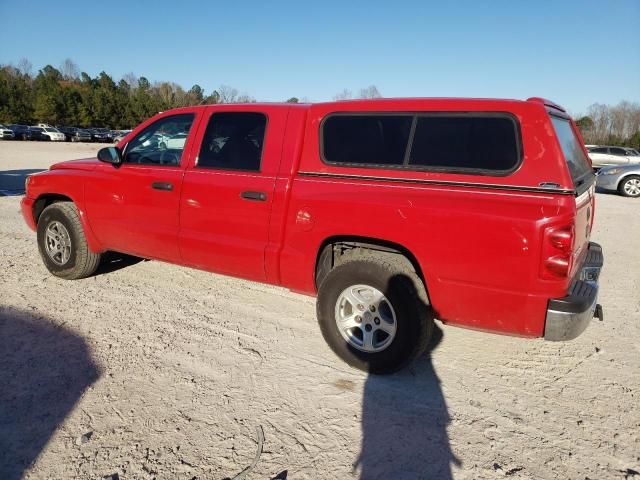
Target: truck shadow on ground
(404, 424)
(45, 368)
(12, 181)
(113, 261)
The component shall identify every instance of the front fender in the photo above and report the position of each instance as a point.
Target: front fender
(54, 186)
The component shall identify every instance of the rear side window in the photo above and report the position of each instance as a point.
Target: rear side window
(599, 150)
(465, 142)
(233, 141)
(366, 139)
(475, 143)
(571, 148)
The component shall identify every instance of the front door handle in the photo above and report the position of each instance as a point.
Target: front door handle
(258, 196)
(162, 186)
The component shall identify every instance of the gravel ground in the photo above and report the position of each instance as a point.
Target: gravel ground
(149, 370)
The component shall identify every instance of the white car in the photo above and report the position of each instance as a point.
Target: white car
(605, 156)
(6, 133)
(176, 141)
(54, 134)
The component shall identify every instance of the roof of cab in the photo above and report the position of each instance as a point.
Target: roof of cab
(401, 102)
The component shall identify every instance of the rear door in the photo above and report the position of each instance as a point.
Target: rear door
(228, 189)
(618, 155)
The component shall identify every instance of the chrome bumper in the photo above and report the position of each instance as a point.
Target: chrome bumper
(569, 316)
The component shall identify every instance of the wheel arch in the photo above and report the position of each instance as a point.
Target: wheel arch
(624, 176)
(333, 247)
(46, 199)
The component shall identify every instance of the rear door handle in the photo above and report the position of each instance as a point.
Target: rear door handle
(162, 186)
(258, 196)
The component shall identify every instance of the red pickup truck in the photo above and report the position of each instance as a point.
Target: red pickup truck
(393, 212)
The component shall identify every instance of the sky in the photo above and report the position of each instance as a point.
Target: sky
(575, 53)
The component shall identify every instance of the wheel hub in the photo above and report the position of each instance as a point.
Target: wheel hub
(57, 243)
(365, 318)
(632, 187)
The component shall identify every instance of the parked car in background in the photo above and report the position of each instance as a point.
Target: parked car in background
(173, 141)
(44, 125)
(604, 156)
(37, 133)
(102, 135)
(6, 133)
(20, 132)
(119, 135)
(624, 179)
(82, 135)
(53, 134)
(75, 134)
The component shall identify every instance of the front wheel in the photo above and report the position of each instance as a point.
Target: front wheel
(374, 313)
(630, 186)
(62, 243)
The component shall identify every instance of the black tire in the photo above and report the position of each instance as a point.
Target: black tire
(625, 182)
(405, 292)
(82, 262)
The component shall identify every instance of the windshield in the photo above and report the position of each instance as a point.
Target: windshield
(574, 155)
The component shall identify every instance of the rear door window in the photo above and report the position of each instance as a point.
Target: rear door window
(233, 141)
(617, 151)
(574, 155)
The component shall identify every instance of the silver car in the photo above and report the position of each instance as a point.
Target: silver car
(624, 179)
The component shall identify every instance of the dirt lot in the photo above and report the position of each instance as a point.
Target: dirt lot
(168, 371)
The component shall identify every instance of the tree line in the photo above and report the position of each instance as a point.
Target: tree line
(611, 124)
(66, 96)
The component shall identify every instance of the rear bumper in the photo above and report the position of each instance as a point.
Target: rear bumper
(569, 316)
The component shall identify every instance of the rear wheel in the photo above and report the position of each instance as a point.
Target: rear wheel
(62, 243)
(630, 186)
(373, 312)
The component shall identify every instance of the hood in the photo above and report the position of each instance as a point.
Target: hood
(83, 164)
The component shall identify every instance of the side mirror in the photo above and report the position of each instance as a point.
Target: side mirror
(110, 155)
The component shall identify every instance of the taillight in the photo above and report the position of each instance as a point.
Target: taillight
(557, 252)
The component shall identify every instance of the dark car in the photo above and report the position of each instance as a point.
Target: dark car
(75, 134)
(69, 132)
(20, 132)
(82, 135)
(102, 135)
(37, 133)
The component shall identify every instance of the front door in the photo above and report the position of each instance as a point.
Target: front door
(133, 207)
